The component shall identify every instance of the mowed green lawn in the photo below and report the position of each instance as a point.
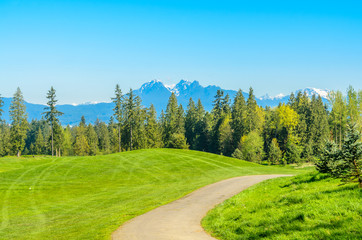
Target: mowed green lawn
(309, 206)
(89, 197)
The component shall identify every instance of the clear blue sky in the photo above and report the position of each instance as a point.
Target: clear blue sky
(84, 48)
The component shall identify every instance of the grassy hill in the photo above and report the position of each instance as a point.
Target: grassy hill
(89, 197)
(308, 206)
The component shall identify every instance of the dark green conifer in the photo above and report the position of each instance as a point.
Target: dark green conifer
(5, 142)
(318, 129)
(252, 121)
(103, 137)
(190, 123)
(52, 114)
(19, 123)
(39, 144)
(351, 154)
(154, 138)
(202, 128)
(133, 118)
(174, 131)
(92, 140)
(118, 113)
(238, 112)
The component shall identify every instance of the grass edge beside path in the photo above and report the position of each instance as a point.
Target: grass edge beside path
(307, 206)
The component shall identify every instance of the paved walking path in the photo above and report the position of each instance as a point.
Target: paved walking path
(180, 220)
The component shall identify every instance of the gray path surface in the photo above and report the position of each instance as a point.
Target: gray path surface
(180, 220)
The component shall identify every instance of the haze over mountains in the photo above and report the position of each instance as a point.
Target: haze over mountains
(156, 93)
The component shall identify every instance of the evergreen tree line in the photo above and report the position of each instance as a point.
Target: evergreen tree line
(289, 133)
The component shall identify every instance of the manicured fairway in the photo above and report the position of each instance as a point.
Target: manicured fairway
(308, 206)
(89, 197)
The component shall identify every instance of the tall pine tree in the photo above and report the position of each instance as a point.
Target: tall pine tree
(132, 117)
(39, 145)
(19, 124)
(52, 114)
(217, 119)
(254, 119)
(238, 113)
(190, 123)
(153, 132)
(319, 129)
(103, 137)
(92, 140)
(173, 125)
(118, 112)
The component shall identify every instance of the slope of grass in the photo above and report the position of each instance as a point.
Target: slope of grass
(89, 197)
(308, 206)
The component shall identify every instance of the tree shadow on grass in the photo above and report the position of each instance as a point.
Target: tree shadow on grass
(344, 188)
(313, 177)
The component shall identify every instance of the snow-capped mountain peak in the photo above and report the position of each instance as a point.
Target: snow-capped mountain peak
(170, 86)
(179, 87)
(151, 84)
(309, 91)
(183, 83)
(182, 87)
(315, 91)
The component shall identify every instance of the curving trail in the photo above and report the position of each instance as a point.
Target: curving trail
(180, 220)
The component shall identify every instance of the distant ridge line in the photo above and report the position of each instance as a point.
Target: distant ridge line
(153, 92)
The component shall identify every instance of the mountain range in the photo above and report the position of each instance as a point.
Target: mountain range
(156, 93)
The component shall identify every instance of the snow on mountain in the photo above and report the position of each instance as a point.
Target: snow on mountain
(315, 91)
(267, 97)
(170, 86)
(310, 92)
(157, 93)
(280, 95)
(150, 84)
(179, 87)
(88, 103)
(183, 85)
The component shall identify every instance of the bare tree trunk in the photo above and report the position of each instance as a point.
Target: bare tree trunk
(119, 138)
(59, 153)
(18, 154)
(52, 144)
(131, 139)
(358, 175)
(340, 136)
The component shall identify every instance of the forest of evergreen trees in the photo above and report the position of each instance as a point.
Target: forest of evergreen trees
(289, 133)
